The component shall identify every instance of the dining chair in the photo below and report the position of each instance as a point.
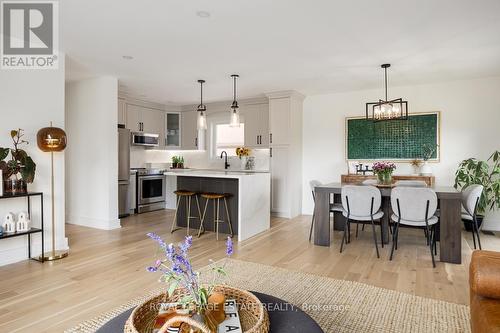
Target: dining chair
(411, 183)
(470, 200)
(334, 207)
(361, 204)
(414, 207)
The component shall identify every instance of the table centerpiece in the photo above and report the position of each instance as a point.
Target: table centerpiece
(384, 171)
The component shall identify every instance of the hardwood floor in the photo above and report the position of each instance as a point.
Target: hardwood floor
(107, 268)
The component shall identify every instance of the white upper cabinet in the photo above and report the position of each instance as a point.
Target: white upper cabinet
(256, 119)
(134, 117)
(173, 130)
(147, 120)
(122, 111)
(279, 121)
(189, 132)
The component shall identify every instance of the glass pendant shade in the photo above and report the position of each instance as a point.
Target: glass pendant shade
(234, 121)
(202, 121)
(51, 139)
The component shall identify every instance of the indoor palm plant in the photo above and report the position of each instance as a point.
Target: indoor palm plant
(486, 173)
(19, 170)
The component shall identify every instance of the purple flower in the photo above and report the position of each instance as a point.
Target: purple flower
(152, 269)
(229, 246)
(157, 239)
(188, 241)
(170, 251)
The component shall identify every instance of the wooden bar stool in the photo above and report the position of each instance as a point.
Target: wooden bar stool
(188, 195)
(216, 197)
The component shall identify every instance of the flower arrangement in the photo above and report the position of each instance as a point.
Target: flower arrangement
(384, 171)
(243, 152)
(176, 271)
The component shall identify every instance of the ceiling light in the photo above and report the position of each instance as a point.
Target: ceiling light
(127, 57)
(395, 109)
(234, 120)
(203, 14)
(202, 108)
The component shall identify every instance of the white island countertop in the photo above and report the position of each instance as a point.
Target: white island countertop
(254, 200)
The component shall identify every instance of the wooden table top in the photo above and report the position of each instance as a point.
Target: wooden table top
(443, 192)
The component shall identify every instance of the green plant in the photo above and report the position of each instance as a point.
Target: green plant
(473, 171)
(20, 162)
(175, 159)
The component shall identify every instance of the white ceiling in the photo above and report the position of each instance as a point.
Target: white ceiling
(310, 46)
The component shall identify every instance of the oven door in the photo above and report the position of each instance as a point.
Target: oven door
(151, 189)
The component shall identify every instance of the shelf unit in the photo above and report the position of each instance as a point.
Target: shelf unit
(31, 230)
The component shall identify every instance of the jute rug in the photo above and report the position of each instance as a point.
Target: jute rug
(336, 305)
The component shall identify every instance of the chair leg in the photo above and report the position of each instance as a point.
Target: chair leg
(198, 205)
(174, 222)
(348, 231)
(203, 219)
(188, 214)
(474, 234)
(357, 227)
(431, 240)
(477, 232)
(435, 242)
(394, 239)
(426, 236)
(363, 228)
(217, 220)
(311, 230)
(382, 234)
(228, 219)
(375, 238)
(344, 236)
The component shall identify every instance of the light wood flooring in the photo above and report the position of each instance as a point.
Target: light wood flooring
(107, 268)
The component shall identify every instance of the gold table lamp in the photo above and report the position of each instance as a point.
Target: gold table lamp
(52, 139)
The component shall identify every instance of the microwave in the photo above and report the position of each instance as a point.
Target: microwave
(145, 139)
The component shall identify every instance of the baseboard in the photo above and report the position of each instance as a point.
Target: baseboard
(19, 251)
(94, 223)
(281, 214)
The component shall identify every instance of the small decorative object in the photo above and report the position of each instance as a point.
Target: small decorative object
(1, 230)
(244, 154)
(416, 166)
(20, 169)
(250, 163)
(177, 162)
(427, 153)
(52, 139)
(384, 171)
(177, 271)
(352, 167)
(23, 222)
(9, 224)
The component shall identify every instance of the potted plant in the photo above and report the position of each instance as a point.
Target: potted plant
(248, 162)
(175, 161)
(19, 170)
(180, 162)
(427, 153)
(384, 171)
(486, 173)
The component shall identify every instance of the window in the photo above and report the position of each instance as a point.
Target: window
(228, 138)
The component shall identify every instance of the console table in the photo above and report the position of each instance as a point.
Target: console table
(357, 178)
(32, 230)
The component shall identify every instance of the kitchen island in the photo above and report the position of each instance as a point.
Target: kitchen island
(249, 200)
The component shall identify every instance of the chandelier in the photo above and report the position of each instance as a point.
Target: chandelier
(395, 109)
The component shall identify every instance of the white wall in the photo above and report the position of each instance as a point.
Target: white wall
(91, 157)
(470, 120)
(30, 99)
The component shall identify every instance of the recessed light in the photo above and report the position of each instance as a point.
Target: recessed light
(203, 14)
(127, 57)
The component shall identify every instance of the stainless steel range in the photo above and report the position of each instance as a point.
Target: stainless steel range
(151, 185)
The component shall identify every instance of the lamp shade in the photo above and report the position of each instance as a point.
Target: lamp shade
(50, 139)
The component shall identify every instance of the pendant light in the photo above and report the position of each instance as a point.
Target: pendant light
(395, 109)
(202, 108)
(234, 120)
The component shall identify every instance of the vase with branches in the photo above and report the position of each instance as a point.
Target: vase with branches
(19, 169)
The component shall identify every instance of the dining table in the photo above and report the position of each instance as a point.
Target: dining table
(450, 226)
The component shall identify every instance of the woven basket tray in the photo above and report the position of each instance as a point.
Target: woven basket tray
(253, 315)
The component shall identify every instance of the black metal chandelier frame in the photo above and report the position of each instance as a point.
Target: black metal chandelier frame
(371, 106)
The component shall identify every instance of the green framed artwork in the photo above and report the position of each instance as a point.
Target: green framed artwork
(395, 140)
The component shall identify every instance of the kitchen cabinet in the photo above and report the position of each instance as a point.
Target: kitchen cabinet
(173, 130)
(122, 111)
(279, 121)
(256, 119)
(189, 132)
(147, 120)
(285, 148)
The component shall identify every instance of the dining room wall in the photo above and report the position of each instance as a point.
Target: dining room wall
(470, 118)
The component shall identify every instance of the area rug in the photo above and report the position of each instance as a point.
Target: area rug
(336, 305)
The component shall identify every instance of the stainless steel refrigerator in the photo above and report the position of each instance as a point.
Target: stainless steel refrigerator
(123, 170)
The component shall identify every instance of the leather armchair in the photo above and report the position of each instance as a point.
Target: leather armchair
(484, 280)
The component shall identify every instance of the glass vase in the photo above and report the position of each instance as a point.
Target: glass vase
(384, 178)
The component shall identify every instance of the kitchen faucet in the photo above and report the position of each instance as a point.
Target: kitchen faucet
(226, 165)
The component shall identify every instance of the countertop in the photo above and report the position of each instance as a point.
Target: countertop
(214, 173)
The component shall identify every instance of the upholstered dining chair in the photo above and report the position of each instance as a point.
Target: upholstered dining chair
(470, 200)
(361, 204)
(411, 183)
(414, 207)
(334, 207)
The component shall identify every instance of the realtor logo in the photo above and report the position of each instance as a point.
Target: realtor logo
(29, 38)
